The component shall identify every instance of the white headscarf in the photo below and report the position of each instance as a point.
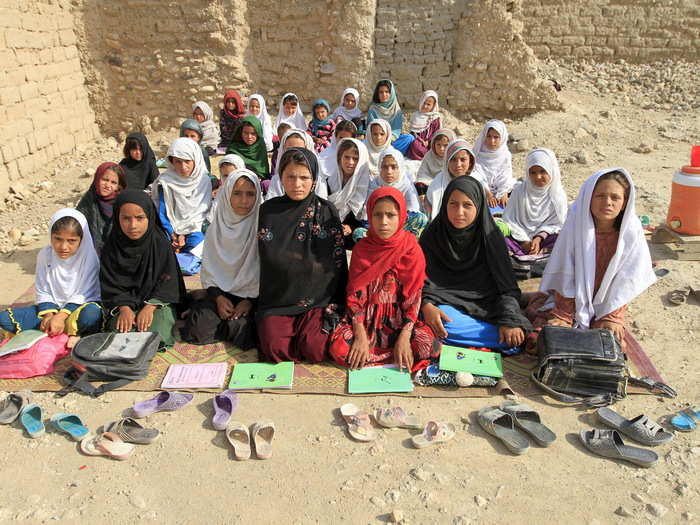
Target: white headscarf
(187, 199)
(532, 209)
(437, 188)
(327, 158)
(230, 259)
(572, 265)
(419, 120)
(75, 280)
(496, 165)
(275, 189)
(431, 164)
(348, 114)
(297, 120)
(211, 135)
(353, 196)
(404, 185)
(373, 150)
(264, 119)
(232, 158)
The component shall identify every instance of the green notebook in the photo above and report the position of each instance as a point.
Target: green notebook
(473, 361)
(378, 379)
(248, 376)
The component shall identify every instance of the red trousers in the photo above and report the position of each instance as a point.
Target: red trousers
(293, 337)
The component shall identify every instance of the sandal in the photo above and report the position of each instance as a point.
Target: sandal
(262, 434)
(71, 425)
(31, 419)
(529, 421)
(395, 417)
(225, 404)
(434, 432)
(237, 434)
(12, 406)
(641, 428)
(131, 431)
(162, 402)
(679, 297)
(502, 425)
(106, 444)
(686, 420)
(359, 424)
(609, 444)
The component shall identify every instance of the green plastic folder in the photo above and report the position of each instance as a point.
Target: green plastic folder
(379, 379)
(248, 376)
(473, 361)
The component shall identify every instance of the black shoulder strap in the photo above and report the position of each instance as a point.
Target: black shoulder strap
(74, 380)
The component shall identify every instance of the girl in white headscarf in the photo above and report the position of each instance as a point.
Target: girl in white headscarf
(458, 162)
(424, 124)
(295, 138)
(600, 262)
(378, 139)
(327, 159)
(349, 108)
(67, 283)
(257, 107)
(495, 161)
(347, 186)
(203, 114)
(536, 210)
(230, 266)
(290, 112)
(392, 172)
(182, 194)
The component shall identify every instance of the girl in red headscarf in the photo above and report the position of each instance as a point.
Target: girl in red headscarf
(230, 117)
(387, 272)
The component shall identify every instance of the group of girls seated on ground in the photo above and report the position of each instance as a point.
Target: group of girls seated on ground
(274, 240)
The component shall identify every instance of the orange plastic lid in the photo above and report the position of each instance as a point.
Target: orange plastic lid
(691, 170)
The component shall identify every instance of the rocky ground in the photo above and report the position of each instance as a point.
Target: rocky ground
(644, 118)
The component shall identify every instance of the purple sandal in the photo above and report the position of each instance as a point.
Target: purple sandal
(225, 404)
(164, 401)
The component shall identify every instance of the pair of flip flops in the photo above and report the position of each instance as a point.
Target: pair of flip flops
(687, 419)
(131, 431)
(433, 433)
(507, 421)
(260, 434)
(609, 443)
(32, 419)
(360, 425)
(163, 402)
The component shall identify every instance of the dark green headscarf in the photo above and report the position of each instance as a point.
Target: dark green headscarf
(255, 155)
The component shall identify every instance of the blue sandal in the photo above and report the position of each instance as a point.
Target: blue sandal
(31, 419)
(686, 420)
(71, 425)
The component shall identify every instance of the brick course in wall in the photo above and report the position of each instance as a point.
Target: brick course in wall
(633, 30)
(44, 106)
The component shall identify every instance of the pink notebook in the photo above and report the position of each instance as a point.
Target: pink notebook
(206, 375)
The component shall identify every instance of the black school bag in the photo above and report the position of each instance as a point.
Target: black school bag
(116, 359)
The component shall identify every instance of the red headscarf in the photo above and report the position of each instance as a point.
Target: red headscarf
(105, 203)
(240, 110)
(372, 256)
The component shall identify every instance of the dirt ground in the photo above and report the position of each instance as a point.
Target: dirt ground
(318, 474)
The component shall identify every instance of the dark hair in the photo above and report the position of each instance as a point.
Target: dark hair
(131, 143)
(620, 178)
(69, 224)
(344, 146)
(346, 125)
(375, 95)
(290, 98)
(388, 198)
(293, 156)
(284, 126)
(119, 172)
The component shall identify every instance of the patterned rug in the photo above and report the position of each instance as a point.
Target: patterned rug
(326, 378)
